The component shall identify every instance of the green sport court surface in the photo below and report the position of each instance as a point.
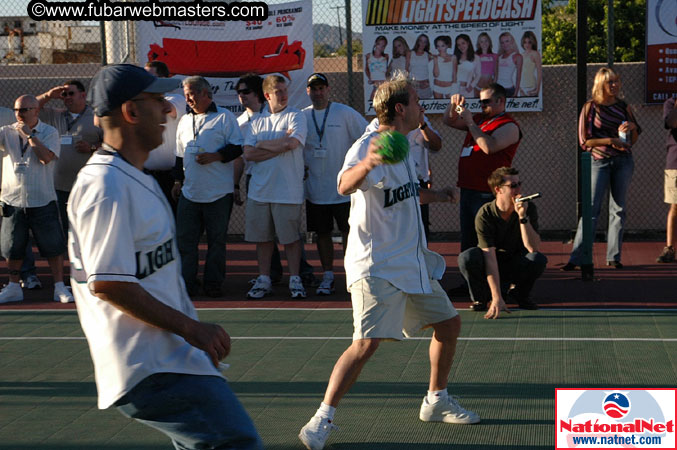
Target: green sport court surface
(506, 370)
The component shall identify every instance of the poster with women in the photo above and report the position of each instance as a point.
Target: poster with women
(661, 50)
(223, 51)
(451, 47)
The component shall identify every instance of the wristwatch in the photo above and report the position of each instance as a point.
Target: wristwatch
(524, 220)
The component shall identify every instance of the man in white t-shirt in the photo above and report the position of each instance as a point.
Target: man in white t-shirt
(208, 139)
(390, 273)
(332, 129)
(162, 159)
(153, 359)
(274, 144)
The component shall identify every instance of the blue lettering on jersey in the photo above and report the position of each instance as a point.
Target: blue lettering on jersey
(403, 192)
(149, 262)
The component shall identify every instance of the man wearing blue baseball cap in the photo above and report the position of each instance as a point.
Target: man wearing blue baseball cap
(153, 359)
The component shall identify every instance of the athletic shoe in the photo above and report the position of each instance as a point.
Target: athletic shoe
(309, 280)
(31, 282)
(63, 295)
(326, 287)
(667, 256)
(11, 293)
(261, 288)
(315, 433)
(296, 289)
(478, 306)
(568, 267)
(448, 411)
(615, 264)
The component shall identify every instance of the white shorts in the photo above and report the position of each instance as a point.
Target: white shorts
(380, 310)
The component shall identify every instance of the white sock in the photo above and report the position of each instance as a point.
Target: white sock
(326, 411)
(329, 275)
(59, 284)
(436, 396)
(11, 284)
(294, 278)
(265, 278)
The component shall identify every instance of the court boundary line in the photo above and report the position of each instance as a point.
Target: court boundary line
(346, 338)
(673, 308)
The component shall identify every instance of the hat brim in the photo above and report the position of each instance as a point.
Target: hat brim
(161, 85)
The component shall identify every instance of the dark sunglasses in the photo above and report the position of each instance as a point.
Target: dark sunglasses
(67, 93)
(513, 185)
(244, 91)
(486, 101)
(22, 110)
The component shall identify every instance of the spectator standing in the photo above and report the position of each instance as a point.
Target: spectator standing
(603, 120)
(208, 139)
(153, 359)
(670, 122)
(161, 160)
(332, 129)
(29, 150)
(390, 273)
(491, 141)
(274, 143)
(507, 252)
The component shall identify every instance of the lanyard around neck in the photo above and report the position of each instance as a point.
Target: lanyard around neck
(318, 130)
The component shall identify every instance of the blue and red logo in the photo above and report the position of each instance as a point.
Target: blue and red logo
(616, 405)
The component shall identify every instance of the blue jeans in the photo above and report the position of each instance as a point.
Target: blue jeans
(191, 219)
(471, 202)
(614, 173)
(195, 411)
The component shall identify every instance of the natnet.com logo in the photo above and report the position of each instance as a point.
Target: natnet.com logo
(615, 418)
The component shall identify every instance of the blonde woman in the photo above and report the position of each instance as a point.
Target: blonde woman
(530, 84)
(509, 67)
(376, 64)
(401, 55)
(444, 69)
(607, 129)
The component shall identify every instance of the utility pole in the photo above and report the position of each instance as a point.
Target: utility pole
(338, 20)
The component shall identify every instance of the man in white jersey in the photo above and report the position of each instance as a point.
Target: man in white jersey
(29, 149)
(153, 359)
(332, 129)
(161, 160)
(274, 144)
(208, 139)
(390, 273)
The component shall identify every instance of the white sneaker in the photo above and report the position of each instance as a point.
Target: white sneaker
(11, 293)
(296, 289)
(326, 287)
(63, 295)
(261, 288)
(315, 433)
(31, 282)
(448, 411)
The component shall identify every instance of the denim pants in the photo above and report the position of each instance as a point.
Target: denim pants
(191, 219)
(195, 411)
(614, 173)
(520, 270)
(471, 202)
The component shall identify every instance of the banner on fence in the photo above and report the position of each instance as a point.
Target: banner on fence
(223, 51)
(661, 50)
(455, 47)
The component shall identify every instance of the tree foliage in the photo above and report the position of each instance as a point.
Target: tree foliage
(559, 31)
(343, 49)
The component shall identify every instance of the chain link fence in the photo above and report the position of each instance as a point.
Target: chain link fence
(36, 56)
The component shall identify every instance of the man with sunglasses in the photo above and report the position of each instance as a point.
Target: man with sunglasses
(507, 252)
(491, 141)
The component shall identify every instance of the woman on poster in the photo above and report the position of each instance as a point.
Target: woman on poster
(419, 67)
(376, 64)
(509, 68)
(488, 62)
(444, 69)
(401, 55)
(530, 84)
(468, 66)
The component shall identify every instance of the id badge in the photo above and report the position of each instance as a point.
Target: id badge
(20, 167)
(66, 139)
(320, 152)
(192, 149)
(466, 151)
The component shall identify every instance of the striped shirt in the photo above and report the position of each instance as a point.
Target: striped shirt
(600, 122)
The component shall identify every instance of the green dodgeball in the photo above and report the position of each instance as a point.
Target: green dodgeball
(394, 147)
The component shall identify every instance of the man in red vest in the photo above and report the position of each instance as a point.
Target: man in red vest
(491, 141)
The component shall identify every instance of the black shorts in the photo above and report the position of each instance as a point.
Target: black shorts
(320, 218)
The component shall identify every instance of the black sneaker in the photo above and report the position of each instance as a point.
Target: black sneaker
(667, 256)
(615, 264)
(478, 306)
(568, 267)
(309, 280)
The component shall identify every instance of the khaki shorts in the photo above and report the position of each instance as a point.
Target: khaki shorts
(380, 310)
(671, 186)
(264, 220)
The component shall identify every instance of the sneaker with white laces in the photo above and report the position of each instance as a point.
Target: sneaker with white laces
(326, 287)
(261, 288)
(315, 433)
(31, 282)
(296, 289)
(11, 293)
(63, 295)
(448, 411)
